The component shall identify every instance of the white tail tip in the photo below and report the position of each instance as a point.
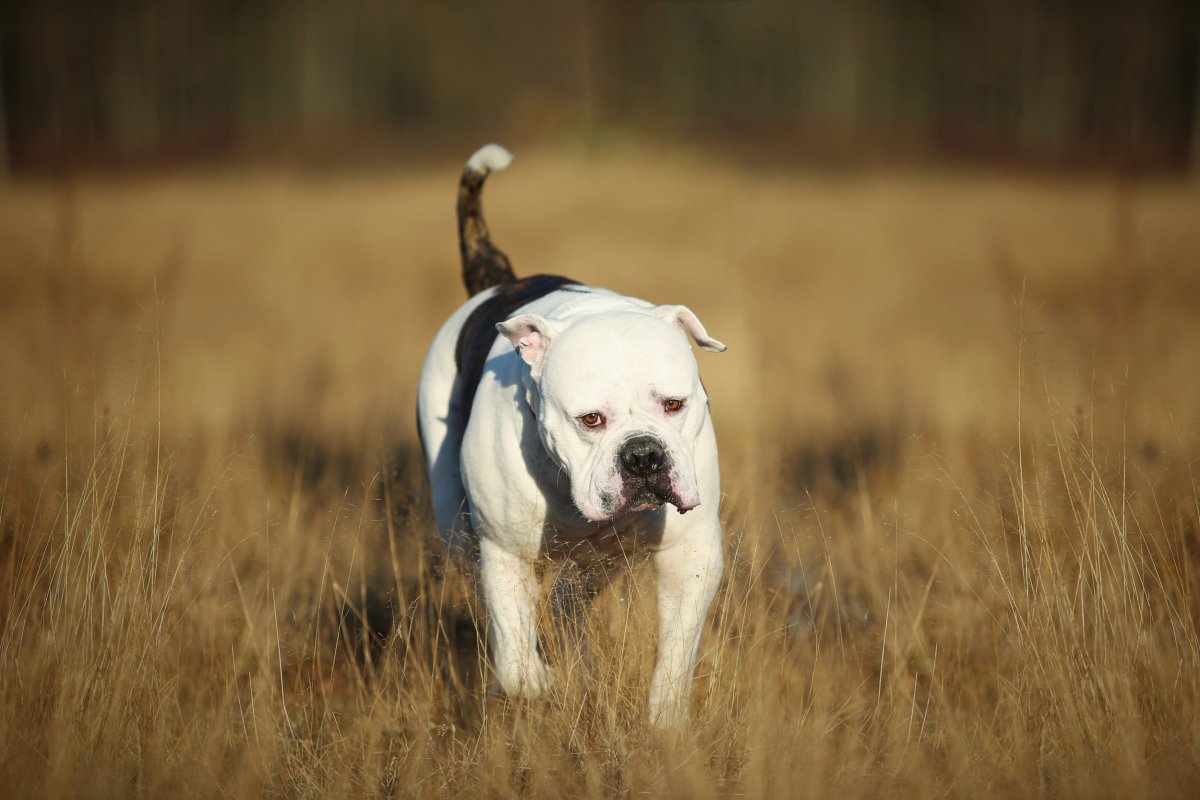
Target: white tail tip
(489, 157)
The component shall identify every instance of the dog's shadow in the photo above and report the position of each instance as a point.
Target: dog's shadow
(432, 632)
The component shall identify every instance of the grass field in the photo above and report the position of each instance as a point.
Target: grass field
(960, 429)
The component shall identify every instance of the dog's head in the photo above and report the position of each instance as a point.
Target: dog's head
(619, 404)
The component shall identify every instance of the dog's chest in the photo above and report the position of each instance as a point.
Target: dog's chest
(587, 542)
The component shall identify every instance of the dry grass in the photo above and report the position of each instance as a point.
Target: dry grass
(959, 427)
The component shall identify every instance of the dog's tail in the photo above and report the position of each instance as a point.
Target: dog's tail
(483, 264)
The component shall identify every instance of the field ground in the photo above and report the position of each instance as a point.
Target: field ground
(959, 422)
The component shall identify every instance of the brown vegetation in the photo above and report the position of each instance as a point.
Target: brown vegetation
(959, 440)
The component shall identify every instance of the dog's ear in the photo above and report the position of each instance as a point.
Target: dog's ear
(685, 318)
(531, 334)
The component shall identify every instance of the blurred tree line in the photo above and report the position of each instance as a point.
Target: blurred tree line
(1112, 83)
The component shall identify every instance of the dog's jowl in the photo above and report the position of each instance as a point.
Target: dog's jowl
(562, 418)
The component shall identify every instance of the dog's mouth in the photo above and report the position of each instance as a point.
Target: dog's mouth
(646, 501)
(645, 495)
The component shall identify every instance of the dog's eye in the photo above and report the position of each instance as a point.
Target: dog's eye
(592, 420)
(672, 404)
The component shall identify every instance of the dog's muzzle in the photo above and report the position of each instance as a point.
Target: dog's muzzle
(645, 469)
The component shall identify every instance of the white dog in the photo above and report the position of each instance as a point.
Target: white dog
(565, 418)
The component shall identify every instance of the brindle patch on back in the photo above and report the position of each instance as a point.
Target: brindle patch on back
(479, 331)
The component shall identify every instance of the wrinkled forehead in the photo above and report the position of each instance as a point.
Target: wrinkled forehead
(628, 351)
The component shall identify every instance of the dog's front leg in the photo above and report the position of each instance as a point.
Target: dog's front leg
(689, 571)
(510, 589)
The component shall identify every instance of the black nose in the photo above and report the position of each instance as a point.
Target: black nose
(643, 455)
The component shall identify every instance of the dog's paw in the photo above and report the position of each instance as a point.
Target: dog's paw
(527, 681)
(669, 705)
